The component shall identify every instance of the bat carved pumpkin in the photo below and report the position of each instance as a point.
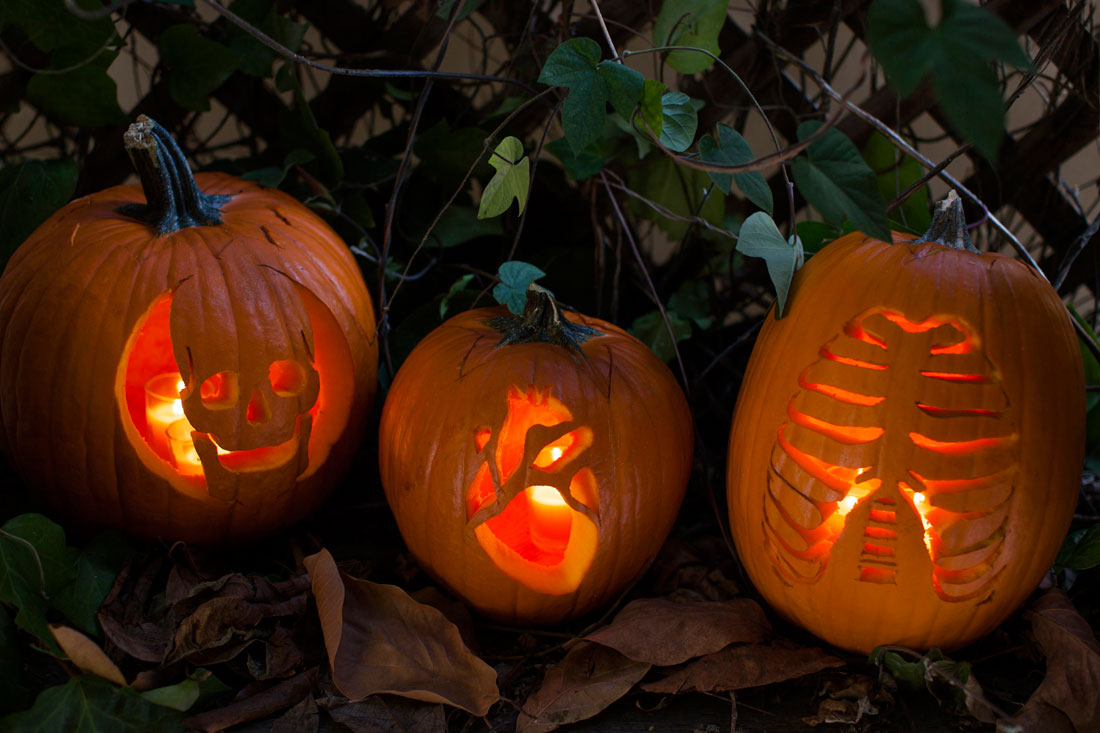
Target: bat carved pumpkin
(188, 359)
(534, 464)
(905, 454)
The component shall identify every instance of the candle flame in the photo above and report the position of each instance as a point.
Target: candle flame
(556, 453)
(846, 505)
(546, 495)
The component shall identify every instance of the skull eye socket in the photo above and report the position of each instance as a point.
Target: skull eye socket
(288, 378)
(220, 391)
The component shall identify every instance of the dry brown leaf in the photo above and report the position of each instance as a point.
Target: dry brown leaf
(86, 654)
(584, 683)
(221, 627)
(389, 714)
(848, 712)
(381, 640)
(302, 718)
(1073, 665)
(738, 667)
(147, 641)
(663, 632)
(273, 700)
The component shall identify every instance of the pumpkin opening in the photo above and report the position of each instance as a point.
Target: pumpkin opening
(898, 451)
(152, 391)
(539, 537)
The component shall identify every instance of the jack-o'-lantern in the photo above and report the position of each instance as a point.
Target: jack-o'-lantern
(191, 358)
(906, 450)
(534, 463)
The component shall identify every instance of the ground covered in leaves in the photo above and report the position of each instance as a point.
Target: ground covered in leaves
(331, 626)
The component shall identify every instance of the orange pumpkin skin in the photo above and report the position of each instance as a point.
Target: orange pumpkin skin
(458, 414)
(95, 302)
(963, 373)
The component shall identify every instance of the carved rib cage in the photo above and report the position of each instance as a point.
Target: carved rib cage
(898, 422)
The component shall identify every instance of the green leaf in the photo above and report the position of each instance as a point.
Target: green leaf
(298, 129)
(683, 191)
(29, 193)
(573, 65)
(95, 569)
(835, 179)
(679, 121)
(514, 278)
(88, 704)
(512, 179)
(624, 86)
(456, 287)
(256, 58)
(651, 330)
(85, 96)
(35, 563)
(692, 301)
(468, 8)
(908, 674)
(13, 693)
(956, 52)
(694, 23)
(653, 108)
(183, 695)
(50, 26)
(446, 154)
(459, 225)
(815, 235)
(1092, 376)
(579, 166)
(731, 149)
(197, 65)
(895, 172)
(1081, 550)
(760, 237)
(273, 176)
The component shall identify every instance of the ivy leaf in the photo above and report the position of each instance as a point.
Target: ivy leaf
(274, 175)
(760, 237)
(256, 58)
(86, 96)
(456, 287)
(692, 301)
(512, 179)
(956, 53)
(679, 121)
(29, 193)
(514, 278)
(653, 109)
(88, 704)
(731, 149)
(815, 235)
(50, 26)
(690, 23)
(197, 65)
(579, 166)
(683, 191)
(835, 179)
(1081, 550)
(895, 172)
(624, 86)
(95, 569)
(573, 65)
(459, 225)
(183, 695)
(650, 329)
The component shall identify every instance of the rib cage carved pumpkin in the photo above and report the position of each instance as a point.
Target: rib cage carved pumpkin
(892, 452)
(905, 454)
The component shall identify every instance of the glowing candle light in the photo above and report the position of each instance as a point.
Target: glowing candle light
(162, 408)
(551, 518)
(183, 450)
(920, 501)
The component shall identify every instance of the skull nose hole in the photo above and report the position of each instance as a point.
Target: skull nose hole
(257, 408)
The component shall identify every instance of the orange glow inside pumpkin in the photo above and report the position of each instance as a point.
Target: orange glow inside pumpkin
(540, 537)
(149, 357)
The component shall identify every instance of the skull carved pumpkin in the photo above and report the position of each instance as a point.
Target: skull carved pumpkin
(534, 464)
(905, 453)
(242, 295)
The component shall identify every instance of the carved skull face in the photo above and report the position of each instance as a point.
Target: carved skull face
(252, 390)
(533, 505)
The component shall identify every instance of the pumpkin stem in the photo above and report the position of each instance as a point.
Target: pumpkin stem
(542, 322)
(173, 199)
(948, 225)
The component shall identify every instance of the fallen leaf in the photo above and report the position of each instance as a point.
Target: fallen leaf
(225, 626)
(86, 654)
(302, 718)
(738, 667)
(389, 714)
(841, 711)
(280, 656)
(584, 683)
(273, 700)
(663, 632)
(147, 641)
(381, 640)
(1073, 666)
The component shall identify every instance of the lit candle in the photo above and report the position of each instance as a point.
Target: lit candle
(162, 408)
(183, 450)
(551, 518)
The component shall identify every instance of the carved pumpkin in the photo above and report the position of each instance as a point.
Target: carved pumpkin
(230, 305)
(906, 450)
(534, 464)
